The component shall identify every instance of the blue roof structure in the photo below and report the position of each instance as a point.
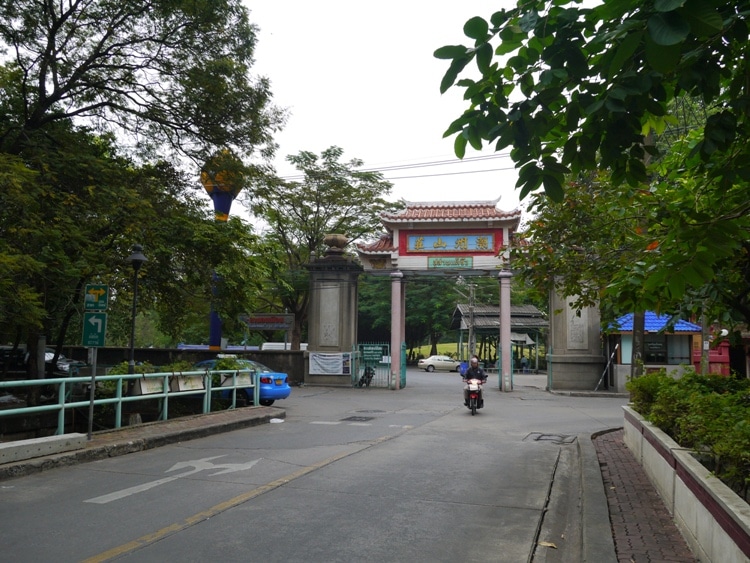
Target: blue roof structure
(655, 323)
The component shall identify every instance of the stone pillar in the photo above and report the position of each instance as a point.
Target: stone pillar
(332, 313)
(575, 356)
(504, 345)
(398, 315)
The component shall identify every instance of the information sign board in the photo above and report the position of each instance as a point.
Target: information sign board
(94, 329)
(96, 297)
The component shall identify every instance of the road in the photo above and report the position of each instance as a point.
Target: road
(349, 475)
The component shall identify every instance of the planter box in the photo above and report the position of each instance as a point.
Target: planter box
(713, 519)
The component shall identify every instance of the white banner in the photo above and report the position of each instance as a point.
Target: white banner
(330, 364)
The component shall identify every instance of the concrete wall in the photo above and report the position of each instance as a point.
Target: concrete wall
(622, 373)
(714, 520)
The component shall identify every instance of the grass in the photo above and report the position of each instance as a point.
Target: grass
(446, 348)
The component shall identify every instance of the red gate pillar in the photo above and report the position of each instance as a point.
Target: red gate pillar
(397, 324)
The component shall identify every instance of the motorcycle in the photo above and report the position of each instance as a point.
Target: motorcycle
(475, 399)
(367, 376)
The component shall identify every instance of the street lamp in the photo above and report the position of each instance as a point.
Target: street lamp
(136, 260)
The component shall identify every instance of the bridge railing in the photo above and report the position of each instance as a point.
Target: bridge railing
(147, 387)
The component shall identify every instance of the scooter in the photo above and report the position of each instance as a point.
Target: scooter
(475, 399)
(367, 376)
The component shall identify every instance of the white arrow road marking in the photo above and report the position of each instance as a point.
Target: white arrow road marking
(197, 465)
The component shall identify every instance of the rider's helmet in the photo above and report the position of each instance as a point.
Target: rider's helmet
(474, 362)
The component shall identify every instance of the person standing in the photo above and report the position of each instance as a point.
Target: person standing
(524, 364)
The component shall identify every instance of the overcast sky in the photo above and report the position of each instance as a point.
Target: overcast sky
(361, 75)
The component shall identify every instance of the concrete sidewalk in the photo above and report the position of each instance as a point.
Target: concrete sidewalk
(603, 495)
(141, 437)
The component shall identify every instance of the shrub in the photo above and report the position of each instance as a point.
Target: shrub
(709, 414)
(644, 390)
(182, 365)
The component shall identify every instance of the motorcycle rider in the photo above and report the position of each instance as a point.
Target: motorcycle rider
(474, 371)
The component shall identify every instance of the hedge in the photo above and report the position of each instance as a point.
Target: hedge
(709, 414)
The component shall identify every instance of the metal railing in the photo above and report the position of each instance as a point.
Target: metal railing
(149, 386)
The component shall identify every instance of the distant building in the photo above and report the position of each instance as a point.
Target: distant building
(528, 329)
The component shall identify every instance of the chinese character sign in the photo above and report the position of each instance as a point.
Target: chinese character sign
(451, 243)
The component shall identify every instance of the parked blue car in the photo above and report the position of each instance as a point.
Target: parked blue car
(273, 385)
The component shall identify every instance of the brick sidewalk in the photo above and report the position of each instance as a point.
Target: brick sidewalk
(642, 527)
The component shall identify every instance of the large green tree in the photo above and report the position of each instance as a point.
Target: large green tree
(166, 72)
(75, 221)
(583, 93)
(99, 105)
(332, 196)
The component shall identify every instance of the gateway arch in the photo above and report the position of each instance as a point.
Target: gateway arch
(456, 238)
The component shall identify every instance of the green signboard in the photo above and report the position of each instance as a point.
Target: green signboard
(450, 262)
(96, 297)
(373, 352)
(94, 329)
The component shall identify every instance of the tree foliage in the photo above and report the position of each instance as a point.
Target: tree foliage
(585, 96)
(75, 222)
(169, 73)
(332, 197)
(100, 102)
(574, 89)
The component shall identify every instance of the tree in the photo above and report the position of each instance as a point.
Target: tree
(87, 86)
(374, 309)
(75, 222)
(169, 73)
(579, 91)
(332, 197)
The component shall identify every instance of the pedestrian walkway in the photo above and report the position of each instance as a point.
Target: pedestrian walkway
(642, 528)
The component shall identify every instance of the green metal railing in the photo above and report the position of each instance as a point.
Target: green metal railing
(160, 386)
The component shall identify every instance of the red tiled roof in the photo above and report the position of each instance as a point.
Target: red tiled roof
(382, 245)
(450, 211)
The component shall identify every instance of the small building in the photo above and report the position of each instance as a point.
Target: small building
(528, 328)
(665, 345)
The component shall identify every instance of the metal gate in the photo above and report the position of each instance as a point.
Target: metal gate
(372, 361)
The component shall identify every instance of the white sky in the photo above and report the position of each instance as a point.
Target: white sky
(361, 75)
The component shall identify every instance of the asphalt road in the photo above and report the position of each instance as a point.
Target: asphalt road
(349, 475)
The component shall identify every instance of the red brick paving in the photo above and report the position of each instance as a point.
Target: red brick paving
(642, 527)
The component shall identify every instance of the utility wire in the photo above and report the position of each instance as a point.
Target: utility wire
(429, 164)
(447, 174)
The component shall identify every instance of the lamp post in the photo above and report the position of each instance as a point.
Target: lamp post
(223, 177)
(136, 260)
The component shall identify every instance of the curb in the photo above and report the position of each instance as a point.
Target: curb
(576, 523)
(598, 543)
(600, 394)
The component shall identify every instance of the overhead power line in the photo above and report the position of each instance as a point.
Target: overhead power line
(428, 164)
(447, 174)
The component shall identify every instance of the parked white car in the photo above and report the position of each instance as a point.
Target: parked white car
(444, 363)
